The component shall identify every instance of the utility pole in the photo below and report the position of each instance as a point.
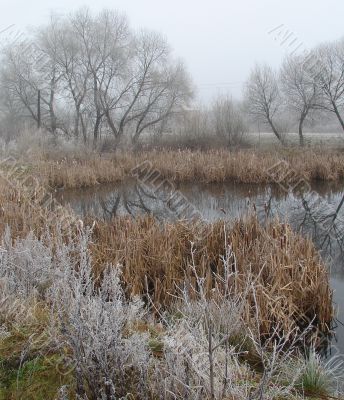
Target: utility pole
(39, 110)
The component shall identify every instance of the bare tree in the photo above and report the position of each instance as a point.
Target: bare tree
(105, 44)
(228, 121)
(300, 90)
(19, 81)
(262, 96)
(94, 71)
(151, 50)
(31, 77)
(50, 73)
(155, 89)
(329, 73)
(73, 73)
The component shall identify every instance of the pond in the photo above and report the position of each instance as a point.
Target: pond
(319, 214)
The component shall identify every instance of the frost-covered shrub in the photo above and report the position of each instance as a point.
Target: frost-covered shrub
(100, 333)
(93, 320)
(191, 369)
(26, 265)
(206, 340)
(97, 324)
(200, 360)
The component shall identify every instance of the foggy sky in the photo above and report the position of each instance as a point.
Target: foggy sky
(218, 40)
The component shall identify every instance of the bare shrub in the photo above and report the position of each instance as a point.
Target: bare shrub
(228, 121)
(199, 360)
(216, 126)
(203, 334)
(96, 322)
(26, 266)
(207, 338)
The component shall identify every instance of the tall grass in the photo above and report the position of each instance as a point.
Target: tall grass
(290, 279)
(215, 166)
(208, 290)
(320, 377)
(94, 342)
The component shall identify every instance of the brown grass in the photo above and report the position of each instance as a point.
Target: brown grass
(290, 280)
(246, 166)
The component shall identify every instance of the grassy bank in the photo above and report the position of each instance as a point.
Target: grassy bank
(157, 258)
(245, 166)
(180, 310)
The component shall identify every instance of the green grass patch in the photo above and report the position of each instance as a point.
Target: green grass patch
(29, 370)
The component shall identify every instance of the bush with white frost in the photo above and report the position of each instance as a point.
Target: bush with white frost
(97, 323)
(92, 319)
(202, 340)
(25, 266)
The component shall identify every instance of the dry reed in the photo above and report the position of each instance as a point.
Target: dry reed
(290, 281)
(245, 166)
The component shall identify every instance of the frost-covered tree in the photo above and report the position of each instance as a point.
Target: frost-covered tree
(92, 74)
(263, 98)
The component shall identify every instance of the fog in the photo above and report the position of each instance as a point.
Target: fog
(219, 41)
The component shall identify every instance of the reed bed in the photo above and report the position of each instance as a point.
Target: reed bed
(215, 166)
(289, 282)
(279, 273)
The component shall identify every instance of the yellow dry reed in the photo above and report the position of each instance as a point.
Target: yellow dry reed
(290, 281)
(215, 166)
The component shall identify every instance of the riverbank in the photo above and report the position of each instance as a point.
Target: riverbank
(247, 286)
(243, 166)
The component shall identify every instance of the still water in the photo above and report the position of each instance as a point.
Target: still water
(318, 214)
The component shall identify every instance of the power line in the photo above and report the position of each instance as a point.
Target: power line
(222, 84)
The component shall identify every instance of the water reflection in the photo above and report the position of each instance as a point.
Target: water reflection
(319, 215)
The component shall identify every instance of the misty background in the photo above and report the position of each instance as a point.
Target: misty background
(219, 41)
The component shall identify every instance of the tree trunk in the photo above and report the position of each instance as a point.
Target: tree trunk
(53, 119)
(39, 110)
(76, 122)
(96, 129)
(274, 130)
(96, 95)
(84, 133)
(135, 138)
(112, 126)
(338, 115)
(301, 138)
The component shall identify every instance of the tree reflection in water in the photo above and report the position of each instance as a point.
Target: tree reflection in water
(320, 217)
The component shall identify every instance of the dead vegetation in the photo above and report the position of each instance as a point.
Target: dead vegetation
(237, 298)
(291, 281)
(215, 166)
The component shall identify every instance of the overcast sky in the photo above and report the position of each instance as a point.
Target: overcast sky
(219, 40)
